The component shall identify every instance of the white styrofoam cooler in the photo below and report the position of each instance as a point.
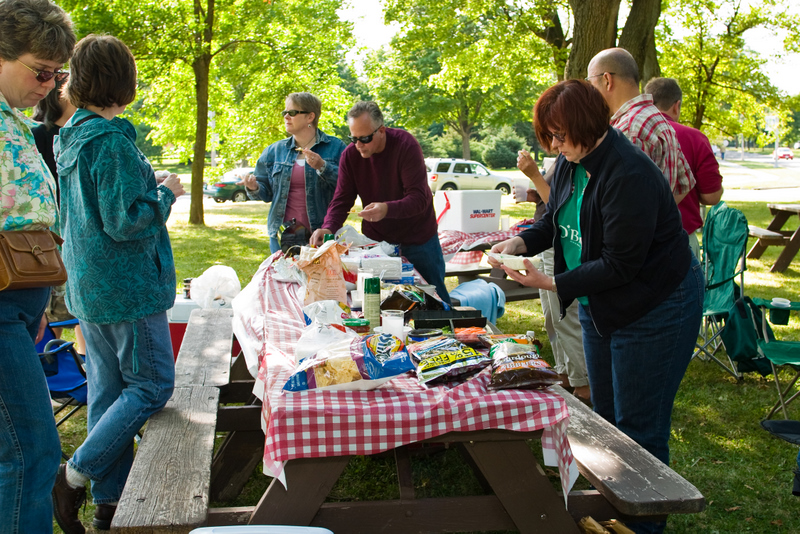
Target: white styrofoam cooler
(468, 211)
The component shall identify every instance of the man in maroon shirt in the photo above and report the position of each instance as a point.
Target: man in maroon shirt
(384, 166)
(667, 96)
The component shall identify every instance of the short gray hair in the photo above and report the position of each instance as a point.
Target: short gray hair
(665, 91)
(307, 102)
(38, 27)
(375, 115)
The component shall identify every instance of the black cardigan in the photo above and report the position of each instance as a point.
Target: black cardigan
(635, 252)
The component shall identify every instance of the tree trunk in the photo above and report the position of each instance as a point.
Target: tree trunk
(595, 30)
(638, 32)
(651, 67)
(201, 65)
(201, 69)
(466, 131)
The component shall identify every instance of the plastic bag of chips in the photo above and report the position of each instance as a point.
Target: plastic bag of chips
(356, 364)
(488, 340)
(443, 359)
(520, 367)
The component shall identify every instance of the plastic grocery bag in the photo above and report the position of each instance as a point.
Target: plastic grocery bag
(318, 335)
(216, 287)
(348, 234)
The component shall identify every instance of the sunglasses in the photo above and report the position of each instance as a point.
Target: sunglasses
(44, 76)
(364, 138)
(292, 112)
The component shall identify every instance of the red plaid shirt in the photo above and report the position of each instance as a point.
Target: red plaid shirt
(641, 122)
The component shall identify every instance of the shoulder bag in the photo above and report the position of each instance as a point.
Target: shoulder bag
(30, 258)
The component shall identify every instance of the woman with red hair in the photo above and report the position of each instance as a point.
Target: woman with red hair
(621, 251)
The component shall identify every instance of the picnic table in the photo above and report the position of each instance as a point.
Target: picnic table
(775, 235)
(464, 252)
(311, 436)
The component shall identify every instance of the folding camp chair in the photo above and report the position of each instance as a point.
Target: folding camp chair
(787, 431)
(779, 353)
(724, 259)
(65, 372)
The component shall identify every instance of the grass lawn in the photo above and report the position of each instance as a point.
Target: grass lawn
(717, 443)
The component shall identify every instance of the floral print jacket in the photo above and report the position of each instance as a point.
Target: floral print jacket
(27, 189)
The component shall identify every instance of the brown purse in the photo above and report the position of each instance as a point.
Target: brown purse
(30, 258)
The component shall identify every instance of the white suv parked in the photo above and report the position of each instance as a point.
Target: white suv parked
(448, 174)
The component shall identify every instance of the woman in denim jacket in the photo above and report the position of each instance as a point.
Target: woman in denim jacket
(298, 181)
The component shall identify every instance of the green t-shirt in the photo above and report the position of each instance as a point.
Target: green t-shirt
(569, 223)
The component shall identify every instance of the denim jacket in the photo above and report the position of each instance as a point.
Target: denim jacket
(274, 172)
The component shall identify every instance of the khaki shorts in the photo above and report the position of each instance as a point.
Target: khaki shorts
(57, 309)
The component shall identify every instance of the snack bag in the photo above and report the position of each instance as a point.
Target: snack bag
(520, 366)
(488, 340)
(469, 335)
(357, 364)
(324, 272)
(443, 359)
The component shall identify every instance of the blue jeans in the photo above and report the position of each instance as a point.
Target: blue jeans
(131, 374)
(429, 261)
(274, 245)
(29, 447)
(635, 372)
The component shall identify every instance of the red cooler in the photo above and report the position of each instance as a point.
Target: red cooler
(178, 317)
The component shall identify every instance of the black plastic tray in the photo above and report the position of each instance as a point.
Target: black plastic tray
(452, 319)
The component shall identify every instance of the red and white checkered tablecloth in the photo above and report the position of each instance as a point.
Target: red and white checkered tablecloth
(337, 423)
(456, 245)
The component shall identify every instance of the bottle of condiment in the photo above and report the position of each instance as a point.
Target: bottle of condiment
(360, 326)
(328, 237)
(372, 302)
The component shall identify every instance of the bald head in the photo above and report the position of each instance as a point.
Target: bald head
(618, 61)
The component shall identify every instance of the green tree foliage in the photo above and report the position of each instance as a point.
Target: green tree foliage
(725, 91)
(236, 58)
(501, 148)
(449, 64)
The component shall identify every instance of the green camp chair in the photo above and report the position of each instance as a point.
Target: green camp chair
(724, 259)
(779, 353)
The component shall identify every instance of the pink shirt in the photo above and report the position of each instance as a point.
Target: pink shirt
(296, 201)
(641, 122)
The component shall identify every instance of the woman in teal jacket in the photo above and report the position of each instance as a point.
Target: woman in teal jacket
(121, 274)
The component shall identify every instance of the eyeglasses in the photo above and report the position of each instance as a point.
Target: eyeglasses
(560, 137)
(44, 76)
(292, 112)
(596, 75)
(364, 139)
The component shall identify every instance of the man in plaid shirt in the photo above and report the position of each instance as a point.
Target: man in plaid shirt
(615, 74)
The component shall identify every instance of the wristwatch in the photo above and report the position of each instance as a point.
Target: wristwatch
(324, 166)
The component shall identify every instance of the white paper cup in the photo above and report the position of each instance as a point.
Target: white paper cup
(781, 303)
(504, 223)
(520, 192)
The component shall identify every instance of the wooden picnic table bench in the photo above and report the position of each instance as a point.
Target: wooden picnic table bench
(775, 235)
(171, 481)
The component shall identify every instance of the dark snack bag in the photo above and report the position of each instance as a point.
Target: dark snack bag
(520, 367)
(291, 234)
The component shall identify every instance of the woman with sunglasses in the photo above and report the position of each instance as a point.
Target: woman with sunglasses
(37, 39)
(297, 174)
(621, 251)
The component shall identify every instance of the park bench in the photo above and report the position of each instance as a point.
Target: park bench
(768, 237)
(168, 487)
(173, 480)
(634, 482)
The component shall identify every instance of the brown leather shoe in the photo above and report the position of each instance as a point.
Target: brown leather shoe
(103, 514)
(67, 502)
